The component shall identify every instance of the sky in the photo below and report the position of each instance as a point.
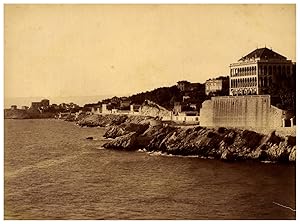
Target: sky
(61, 51)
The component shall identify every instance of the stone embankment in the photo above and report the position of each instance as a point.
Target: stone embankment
(141, 132)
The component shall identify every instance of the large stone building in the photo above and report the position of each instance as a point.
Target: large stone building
(255, 73)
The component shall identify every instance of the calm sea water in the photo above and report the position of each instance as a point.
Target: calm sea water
(53, 172)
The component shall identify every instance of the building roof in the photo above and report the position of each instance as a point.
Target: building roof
(263, 53)
(183, 81)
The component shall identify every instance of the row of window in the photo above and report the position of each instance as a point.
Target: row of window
(262, 70)
(244, 92)
(250, 82)
(244, 82)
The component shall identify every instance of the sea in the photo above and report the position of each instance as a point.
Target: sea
(53, 172)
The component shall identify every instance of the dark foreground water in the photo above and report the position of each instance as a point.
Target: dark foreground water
(53, 172)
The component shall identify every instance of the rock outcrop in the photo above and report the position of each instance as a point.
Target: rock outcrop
(150, 108)
(145, 132)
(97, 120)
(26, 114)
(226, 144)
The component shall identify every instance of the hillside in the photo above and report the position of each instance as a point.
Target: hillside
(164, 96)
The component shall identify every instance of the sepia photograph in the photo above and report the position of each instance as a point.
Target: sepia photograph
(149, 111)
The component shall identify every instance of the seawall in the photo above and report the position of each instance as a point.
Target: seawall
(142, 132)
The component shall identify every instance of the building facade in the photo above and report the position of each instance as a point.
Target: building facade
(216, 86)
(255, 73)
(36, 105)
(183, 85)
(45, 103)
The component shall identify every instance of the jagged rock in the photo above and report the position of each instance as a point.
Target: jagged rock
(89, 138)
(273, 138)
(228, 155)
(150, 108)
(292, 156)
(291, 140)
(127, 141)
(125, 128)
(229, 138)
(221, 130)
(278, 152)
(257, 154)
(227, 144)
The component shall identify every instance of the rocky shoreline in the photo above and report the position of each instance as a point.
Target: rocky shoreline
(148, 134)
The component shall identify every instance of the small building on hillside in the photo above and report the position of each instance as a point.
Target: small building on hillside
(45, 103)
(177, 108)
(36, 105)
(13, 107)
(135, 108)
(183, 85)
(125, 105)
(217, 86)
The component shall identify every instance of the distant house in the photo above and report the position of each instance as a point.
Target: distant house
(177, 108)
(135, 108)
(217, 86)
(183, 85)
(184, 98)
(25, 108)
(194, 86)
(125, 104)
(186, 109)
(42, 104)
(45, 103)
(36, 105)
(13, 107)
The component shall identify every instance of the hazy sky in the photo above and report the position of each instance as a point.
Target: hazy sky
(88, 50)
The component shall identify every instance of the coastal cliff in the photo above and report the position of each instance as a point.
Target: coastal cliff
(26, 114)
(143, 132)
